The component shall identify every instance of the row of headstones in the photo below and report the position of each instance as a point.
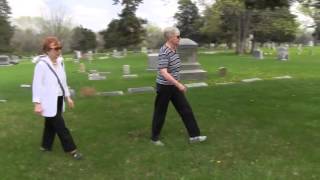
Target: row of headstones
(115, 53)
(95, 75)
(283, 53)
(146, 89)
(255, 79)
(8, 60)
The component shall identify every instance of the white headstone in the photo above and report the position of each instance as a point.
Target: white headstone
(126, 69)
(283, 53)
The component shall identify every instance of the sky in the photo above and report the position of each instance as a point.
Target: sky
(97, 14)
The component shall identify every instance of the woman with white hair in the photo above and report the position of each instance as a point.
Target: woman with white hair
(170, 89)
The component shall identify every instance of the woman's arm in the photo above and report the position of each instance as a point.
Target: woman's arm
(168, 77)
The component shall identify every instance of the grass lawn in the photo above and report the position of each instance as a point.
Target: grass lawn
(262, 130)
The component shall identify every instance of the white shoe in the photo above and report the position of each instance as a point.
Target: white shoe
(197, 139)
(157, 143)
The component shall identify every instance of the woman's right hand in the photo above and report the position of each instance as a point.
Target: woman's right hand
(182, 87)
(38, 108)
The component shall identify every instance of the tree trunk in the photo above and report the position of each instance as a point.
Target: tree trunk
(243, 31)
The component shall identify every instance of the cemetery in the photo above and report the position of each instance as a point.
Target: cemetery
(250, 70)
(251, 125)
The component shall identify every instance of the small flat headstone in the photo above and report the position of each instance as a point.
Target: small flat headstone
(282, 77)
(93, 71)
(251, 80)
(222, 71)
(110, 93)
(140, 89)
(72, 92)
(104, 73)
(103, 57)
(25, 85)
(193, 85)
(225, 83)
(209, 52)
(3, 101)
(128, 76)
(96, 77)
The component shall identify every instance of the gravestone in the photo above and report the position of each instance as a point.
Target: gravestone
(25, 85)
(126, 72)
(152, 61)
(77, 55)
(14, 59)
(258, 54)
(89, 55)
(4, 60)
(194, 85)
(116, 54)
(124, 52)
(140, 90)
(251, 80)
(299, 49)
(82, 68)
(95, 76)
(126, 69)
(72, 92)
(222, 71)
(283, 53)
(110, 93)
(190, 68)
(144, 50)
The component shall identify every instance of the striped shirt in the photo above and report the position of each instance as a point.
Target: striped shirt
(168, 59)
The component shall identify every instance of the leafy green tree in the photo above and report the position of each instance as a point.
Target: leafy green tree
(83, 39)
(188, 19)
(276, 25)
(6, 30)
(126, 31)
(221, 21)
(234, 20)
(154, 38)
(312, 8)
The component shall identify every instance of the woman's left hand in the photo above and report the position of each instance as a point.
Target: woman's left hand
(70, 102)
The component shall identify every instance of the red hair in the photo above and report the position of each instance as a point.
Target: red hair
(48, 41)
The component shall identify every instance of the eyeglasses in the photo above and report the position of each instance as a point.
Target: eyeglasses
(56, 48)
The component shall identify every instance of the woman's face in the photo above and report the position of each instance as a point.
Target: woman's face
(174, 39)
(54, 50)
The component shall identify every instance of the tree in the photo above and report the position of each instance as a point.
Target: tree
(126, 31)
(235, 19)
(57, 23)
(188, 19)
(276, 25)
(83, 39)
(312, 8)
(154, 38)
(6, 30)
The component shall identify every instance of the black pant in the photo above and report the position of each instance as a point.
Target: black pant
(53, 125)
(166, 93)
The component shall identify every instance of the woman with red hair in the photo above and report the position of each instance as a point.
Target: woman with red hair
(49, 89)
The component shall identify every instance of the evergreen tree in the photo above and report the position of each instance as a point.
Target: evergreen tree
(6, 30)
(188, 19)
(83, 39)
(126, 31)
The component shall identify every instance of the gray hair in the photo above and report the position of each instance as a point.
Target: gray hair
(170, 31)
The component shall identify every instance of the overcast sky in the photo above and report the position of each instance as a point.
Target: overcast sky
(96, 14)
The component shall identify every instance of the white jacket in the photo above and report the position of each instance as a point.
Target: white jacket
(45, 86)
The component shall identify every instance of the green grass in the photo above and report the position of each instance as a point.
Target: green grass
(262, 130)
